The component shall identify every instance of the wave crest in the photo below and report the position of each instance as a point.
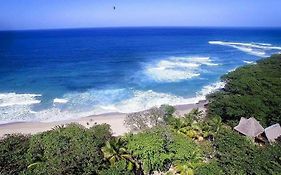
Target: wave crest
(176, 69)
(17, 107)
(11, 99)
(256, 49)
(249, 62)
(59, 100)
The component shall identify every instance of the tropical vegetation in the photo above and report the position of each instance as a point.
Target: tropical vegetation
(250, 91)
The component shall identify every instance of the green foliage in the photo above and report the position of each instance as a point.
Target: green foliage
(66, 150)
(210, 168)
(175, 122)
(181, 122)
(159, 148)
(168, 111)
(234, 152)
(214, 124)
(183, 149)
(118, 168)
(237, 154)
(13, 149)
(251, 91)
(185, 169)
(114, 151)
(101, 133)
(193, 126)
(186, 155)
(193, 115)
(151, 148)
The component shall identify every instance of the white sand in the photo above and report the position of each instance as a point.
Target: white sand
(115, 120)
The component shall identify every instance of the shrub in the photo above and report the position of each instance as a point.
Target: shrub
(159, 148)
(13, 149)
(118, 168)
(168, 111)
(101, 133)
(151, 148)
(210, 168)
(184, 150)
(67, 150)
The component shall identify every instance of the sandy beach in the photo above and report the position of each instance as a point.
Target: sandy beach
(115, 120)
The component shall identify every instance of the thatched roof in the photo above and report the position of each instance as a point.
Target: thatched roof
(273, 132)
(249, 127)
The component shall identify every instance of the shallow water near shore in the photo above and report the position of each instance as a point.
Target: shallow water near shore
(55, 75)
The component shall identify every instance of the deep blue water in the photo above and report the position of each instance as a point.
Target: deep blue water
(58, 74)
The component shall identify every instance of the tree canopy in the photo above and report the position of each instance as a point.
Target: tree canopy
(250, 91)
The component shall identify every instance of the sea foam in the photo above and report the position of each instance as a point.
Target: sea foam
(60, 100)
(120, 100)
(208, 89)
(17, 107)
(176, 69)
(256, 49)
(249, 62)
(11, 99)
(143, 100)
(93, 102)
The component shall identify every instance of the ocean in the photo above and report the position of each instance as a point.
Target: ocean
(51, 75)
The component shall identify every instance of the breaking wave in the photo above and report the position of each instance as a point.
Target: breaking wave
(176, 69)
(256, 49)
(249, 62)
(93, 102)
(59, 100)
(210, 89)
(17, 107)
(11, 99)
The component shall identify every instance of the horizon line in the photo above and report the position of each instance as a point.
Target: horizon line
(116, 27)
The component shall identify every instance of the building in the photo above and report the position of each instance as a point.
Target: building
(273, 132)
(249, 127)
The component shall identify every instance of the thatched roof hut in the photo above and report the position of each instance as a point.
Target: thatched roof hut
(249, 127)
(273, 132)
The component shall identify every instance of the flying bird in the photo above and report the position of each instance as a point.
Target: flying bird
(114, 7)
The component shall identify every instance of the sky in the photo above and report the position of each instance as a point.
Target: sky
(54, 14)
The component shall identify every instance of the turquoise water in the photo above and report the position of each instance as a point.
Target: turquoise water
(59, 74)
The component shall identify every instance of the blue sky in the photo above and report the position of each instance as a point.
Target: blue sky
(45, 14)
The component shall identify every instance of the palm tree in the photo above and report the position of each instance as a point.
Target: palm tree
(193, 130)
(198, 113)
(216, 123)
(194, 115)
(114, 151)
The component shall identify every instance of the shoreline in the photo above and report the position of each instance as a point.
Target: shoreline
(115, 120)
